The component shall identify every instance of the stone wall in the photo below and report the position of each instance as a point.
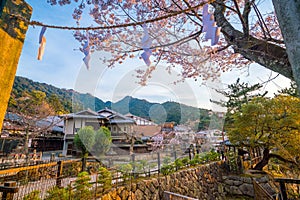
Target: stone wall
(243, 185)
(202, 182)
(12, 35)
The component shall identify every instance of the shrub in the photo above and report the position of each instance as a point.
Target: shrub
(34, 195)
(185, 161)
(82, 186)
(126, 170)
(58, 194)
(105, 178)
(178, 163)
(167, 169)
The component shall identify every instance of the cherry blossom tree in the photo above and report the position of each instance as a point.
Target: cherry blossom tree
(175, 27)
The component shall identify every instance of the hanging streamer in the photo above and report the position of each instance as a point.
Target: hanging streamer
(87, 53)
(42, 42)
(146, 44)
(212, 31)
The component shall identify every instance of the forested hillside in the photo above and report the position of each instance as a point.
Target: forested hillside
(69, 101)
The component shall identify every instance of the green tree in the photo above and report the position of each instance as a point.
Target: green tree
(56, 104)
(291, 91)
(57, 193)
(34, 195)
(271, 124)
(85, 140)
(237, 94)
(102, 141)
(105, 178)
(82, 187)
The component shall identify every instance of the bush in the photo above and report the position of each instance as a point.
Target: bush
(213, 156)
(185, 161)
(178, 163)
(34, 195)
(167, 169)
(82, 186)
(105, 178)
(58, 194)
(126, 170)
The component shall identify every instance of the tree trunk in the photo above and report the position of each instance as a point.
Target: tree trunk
(264, 161)
(267, 54)
(288, 15)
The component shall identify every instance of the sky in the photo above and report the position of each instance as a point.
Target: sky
(62, 67)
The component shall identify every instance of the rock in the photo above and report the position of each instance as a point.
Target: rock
(263, 179)
(139, 195)
(237, 183)
(247, 189)
(235, 190)
(106, 197)
(155, 195)
(131, 196)
(124, 194)
(228, 182)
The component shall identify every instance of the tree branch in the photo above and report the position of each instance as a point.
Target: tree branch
(262, 52)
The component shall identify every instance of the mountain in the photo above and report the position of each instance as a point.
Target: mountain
(73, 101)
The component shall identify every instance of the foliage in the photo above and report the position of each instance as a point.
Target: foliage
(237, 94)
(272, 124)
(104, 178)
(141, 166)
(178, 163)
(103, 141)
(212, 156)
(126, 170)
(85, 139)
(34, 195)
(57, 193)
(196, 160)
(80, 191)
(82, 186)
(167, 169)
(249, 34)
(291, 91)
(185, 161)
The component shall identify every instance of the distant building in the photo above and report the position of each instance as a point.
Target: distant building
(44, 135)
(213, 137)
(121, 127)
(144, 128)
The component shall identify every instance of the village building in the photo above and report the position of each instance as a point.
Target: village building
(126, 131)
(43, 135)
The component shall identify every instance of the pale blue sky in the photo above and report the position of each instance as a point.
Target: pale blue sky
(62, 66)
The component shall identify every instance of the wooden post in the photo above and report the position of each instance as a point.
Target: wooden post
(282, 190)
(59, 173)
(158, 161)
(8, 190)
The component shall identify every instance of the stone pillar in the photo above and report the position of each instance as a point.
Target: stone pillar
(12, 35)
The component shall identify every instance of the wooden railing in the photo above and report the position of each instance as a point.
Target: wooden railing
(260, 192)
(282, 182)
